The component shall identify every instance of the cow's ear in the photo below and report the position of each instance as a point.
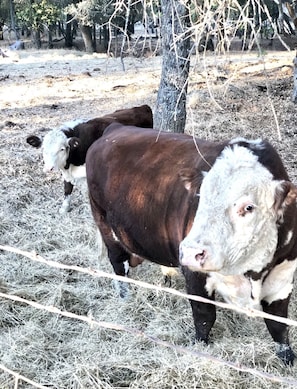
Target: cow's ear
(73, 143)
(34, 141)
(189, 178)
(285, 194)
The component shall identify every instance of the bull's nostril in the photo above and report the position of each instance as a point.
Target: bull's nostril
(200, 257)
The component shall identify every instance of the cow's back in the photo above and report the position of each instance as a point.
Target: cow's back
(141, 116)
(88, 132)
(132, 173)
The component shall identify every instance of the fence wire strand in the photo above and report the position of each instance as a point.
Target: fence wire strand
(99, 274)
(134, 331)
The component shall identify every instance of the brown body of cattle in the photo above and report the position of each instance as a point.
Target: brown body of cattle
(65, 148)
(225, 212)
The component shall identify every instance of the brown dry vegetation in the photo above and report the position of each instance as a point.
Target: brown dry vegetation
(228, 96)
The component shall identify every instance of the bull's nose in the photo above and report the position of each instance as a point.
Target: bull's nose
(192, 256)
(200, 256)
(48, 169)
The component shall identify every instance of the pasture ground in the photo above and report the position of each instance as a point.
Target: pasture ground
(234, 95)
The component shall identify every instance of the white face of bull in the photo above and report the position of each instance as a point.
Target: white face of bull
(55, 150)
(55, 146)
(235, 227)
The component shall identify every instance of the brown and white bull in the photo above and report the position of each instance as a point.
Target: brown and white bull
(225, 212)
(65, 148)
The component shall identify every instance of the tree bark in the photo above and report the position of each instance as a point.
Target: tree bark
(12, 19)
(170, 113)
(86, 32)
(36, 39)
(68, 32)
(294, 95)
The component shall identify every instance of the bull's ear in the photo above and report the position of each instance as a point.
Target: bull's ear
(73, 142)
(285, 194)
(34, 141)
(189, 178)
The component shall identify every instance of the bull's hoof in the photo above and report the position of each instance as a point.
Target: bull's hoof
(64, 209)
(167, 281)
(286, 354)
(202, 339)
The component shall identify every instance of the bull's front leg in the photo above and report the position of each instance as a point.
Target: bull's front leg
(276, 292)
(280, 331)
(204, 314)
(68, 188)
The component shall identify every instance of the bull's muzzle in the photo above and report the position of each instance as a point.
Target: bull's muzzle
(192, 255)
(48, 169)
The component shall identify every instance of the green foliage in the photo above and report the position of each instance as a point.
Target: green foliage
(4, 11)
(88, 12)
(84, 12)
(37, 14)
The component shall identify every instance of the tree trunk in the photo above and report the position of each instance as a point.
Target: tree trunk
(87, 37)
(292, 14)
(68, 33)
(105, 37)
(12, 19)
(36, 39)
(281, 17)
(170, 113)
(294, 95)
(50, 37)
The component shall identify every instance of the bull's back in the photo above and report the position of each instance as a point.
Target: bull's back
(135, 178)
(141, 116)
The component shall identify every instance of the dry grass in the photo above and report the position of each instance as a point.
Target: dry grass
(42, 90)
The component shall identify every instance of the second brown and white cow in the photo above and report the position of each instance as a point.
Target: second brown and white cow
(225, 212)
(65, 148)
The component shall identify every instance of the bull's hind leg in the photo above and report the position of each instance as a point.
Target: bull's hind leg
(118, 256)
(204, 314)
(119, 259)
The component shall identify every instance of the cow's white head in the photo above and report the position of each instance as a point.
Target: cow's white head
(56, 146)
(235, 228)
(55, 150)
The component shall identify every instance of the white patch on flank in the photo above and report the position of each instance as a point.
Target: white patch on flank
(126, 266)
(288, 238)
(74, 174)
(279, 282)
(114, 236)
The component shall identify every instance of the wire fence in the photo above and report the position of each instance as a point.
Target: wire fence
(134, 331)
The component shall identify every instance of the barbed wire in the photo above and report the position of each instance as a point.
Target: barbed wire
(251, 312)
(20, 377)
(136, 332)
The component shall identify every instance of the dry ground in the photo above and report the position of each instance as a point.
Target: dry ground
(245, 95)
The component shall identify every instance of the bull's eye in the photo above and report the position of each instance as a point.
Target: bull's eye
(249, 208)
(244, 208)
